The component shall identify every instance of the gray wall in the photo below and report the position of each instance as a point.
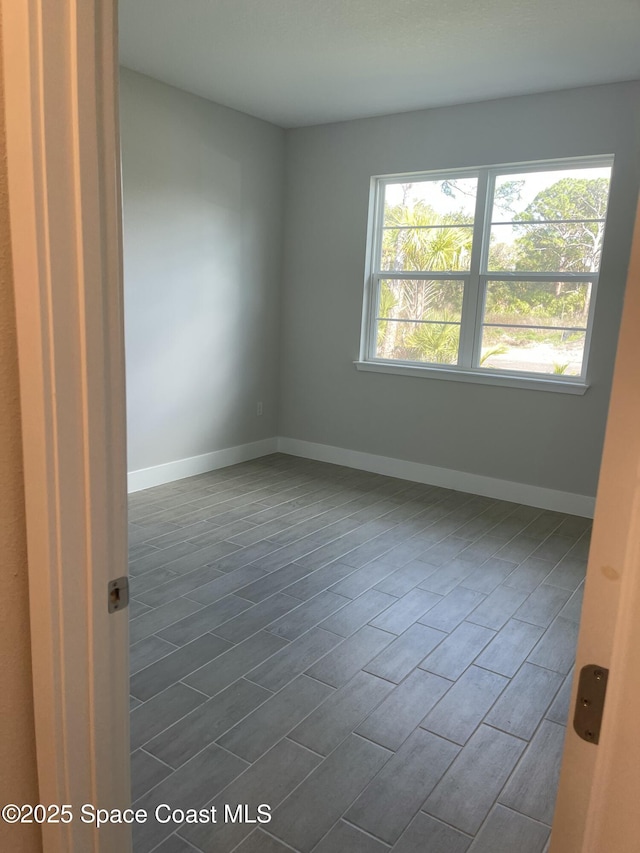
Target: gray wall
(202, 264)
(535, 437)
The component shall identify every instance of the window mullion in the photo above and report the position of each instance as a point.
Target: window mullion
(484, 263)
(469, 332)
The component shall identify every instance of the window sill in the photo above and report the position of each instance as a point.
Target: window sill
(532, 383)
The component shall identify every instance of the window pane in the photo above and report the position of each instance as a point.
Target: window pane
(420, 300)
(538, 303)
(421, 249)
(552, 194)
(550, 247)
(555, 220)
(435, 202)
(435, 343)
(532, 350)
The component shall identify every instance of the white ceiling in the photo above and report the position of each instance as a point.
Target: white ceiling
(300, 62)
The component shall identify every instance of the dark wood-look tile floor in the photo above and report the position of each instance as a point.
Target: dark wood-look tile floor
(385, 664)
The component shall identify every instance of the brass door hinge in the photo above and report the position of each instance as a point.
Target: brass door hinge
(118, 594)
(592, 689)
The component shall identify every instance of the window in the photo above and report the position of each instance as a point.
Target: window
(487, 274)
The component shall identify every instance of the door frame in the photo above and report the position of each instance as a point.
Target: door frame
(60, 66)
(61, 109)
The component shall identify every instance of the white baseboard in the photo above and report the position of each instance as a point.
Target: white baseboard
(448, 478)
(491, 487)
(145, 478)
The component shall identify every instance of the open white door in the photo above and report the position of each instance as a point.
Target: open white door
(60, 72)
(598, 807)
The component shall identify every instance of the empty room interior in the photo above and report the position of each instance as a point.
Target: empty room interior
(375, 257)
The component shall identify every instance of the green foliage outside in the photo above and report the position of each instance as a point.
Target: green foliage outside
(557, 246)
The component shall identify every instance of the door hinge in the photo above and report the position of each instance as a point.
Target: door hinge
(592, 688)
(118, 594)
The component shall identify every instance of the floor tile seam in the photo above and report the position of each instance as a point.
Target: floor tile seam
(157, 846)
(173, 723)
(399, 636)
(484, 820)
(247, 769)
(287, 733)
(191, 758)
(275, 838)
(326, 683)
(246, 501)
(331, 508)
(246, 676)
(306, 553)
(309, 574)
(220, 530)
(453, 627)
(175, 770)
(453, 684)
(382, 499)
(544, 626)
(543, 716)
(352, 731)
(470, 621)
(424, 811)
(189, 538)
(220, 625)
(550, 626)
(416, 621)
(256, 529)
(497, 802)
(311, 492)
(328, 509)
(304, 746)
(528, 662)
(470, 663)
(251, 764)
(373, 559)
(193, 613)
(144, 591)
(418, 810)
(131, 548)
(384, 699)
(496, 728)
(250, 494)
(393, 750)
(177, 648)
(521, 759)
(460, 746)
(329, 542)
(162, 566)
(155, 758)
(381, 677)
(211, 563)
(201, 692)
(188, 593)
(176, 831)
(308, 630)
(361, 829)
(373, 618)
(164, 515)
(156, 632)
(244, 511)
(571, 590)
(181, 678)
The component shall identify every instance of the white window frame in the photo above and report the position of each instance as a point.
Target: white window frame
(475, 284)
